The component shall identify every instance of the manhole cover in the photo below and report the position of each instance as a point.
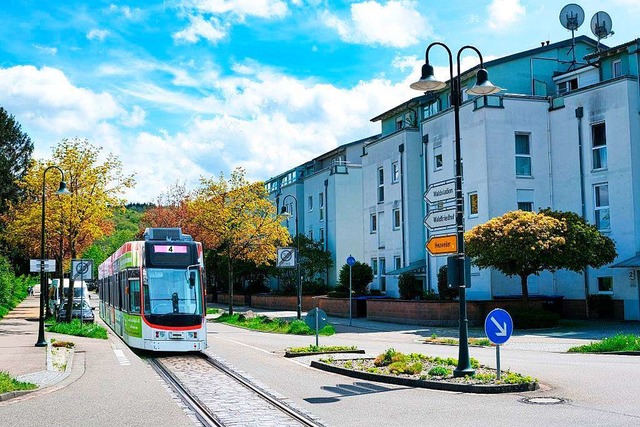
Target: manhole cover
(543, 400)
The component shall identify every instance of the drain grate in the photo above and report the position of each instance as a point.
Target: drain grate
(543, 400)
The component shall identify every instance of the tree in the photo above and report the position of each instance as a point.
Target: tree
(361, 276)
(170, 210)
(72, 222)
(236, 219)
(409, 286)
(15, 154)
(524, 243)
(518, 243)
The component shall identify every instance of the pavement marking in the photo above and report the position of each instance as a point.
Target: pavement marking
(122, 359)
(245, 345)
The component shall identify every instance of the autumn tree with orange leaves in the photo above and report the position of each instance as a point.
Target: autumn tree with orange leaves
(72, 223)
(236, 219)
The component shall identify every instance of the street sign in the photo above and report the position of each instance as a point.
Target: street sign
(441, 245)
(440, 192)
(49, 265)
(443, 218)
(81, 269)
(498, 326)
(351, 261)
(286, 258)
(311, 318)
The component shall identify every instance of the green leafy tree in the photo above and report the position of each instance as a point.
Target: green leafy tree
(15, 154)
(361, 277)
(444, 290)
(523, 243)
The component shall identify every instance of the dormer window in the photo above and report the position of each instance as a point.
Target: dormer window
(567, 86)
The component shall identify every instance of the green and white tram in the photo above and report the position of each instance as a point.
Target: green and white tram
(152, 292)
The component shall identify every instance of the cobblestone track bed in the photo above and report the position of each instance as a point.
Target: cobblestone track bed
(229, 396)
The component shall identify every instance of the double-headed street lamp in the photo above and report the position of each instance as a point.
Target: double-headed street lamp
(62, 189)
(299, 284)
(483, 86)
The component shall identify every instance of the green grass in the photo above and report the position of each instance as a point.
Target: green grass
(7, 384)
(620, 342)
(321, 349)
(89, 330)
(475, 342)
(213, 310)
(275, 325)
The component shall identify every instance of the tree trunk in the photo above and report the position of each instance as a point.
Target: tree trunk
(70, 296)
(230, 286)
(525, 290)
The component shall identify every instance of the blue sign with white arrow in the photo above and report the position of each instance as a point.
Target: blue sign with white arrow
(498, 326)
(351, 261)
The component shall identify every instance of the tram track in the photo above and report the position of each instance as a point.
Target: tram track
(219, 396)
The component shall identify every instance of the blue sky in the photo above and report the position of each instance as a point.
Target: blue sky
(189, 88)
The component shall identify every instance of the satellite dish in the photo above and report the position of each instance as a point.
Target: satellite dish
(601, 25)
(572, 16)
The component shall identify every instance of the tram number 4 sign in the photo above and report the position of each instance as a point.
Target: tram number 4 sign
(286, 258)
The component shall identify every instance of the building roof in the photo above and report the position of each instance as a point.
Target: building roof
(612, 50)
(633, 262)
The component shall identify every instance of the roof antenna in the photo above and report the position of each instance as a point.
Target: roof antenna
(571, 17)
(601, 27)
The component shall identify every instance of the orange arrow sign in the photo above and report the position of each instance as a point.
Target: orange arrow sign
(440, 245)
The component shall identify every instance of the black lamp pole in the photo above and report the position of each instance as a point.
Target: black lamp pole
(298, 282)
(483, 86)
(62, 189)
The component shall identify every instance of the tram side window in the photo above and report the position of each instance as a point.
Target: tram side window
(134, 295)
(121, 282)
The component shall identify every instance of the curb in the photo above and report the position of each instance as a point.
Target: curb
(315, 353)
(435, 385)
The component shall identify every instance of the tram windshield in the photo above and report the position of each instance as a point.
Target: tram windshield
(171, 291)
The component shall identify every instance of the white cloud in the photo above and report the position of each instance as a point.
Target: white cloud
(126, 11)
(242, 8)
(97, 34)
(199, 28)
(46, 50)
(397, 23)
(135, 118)
(505, 13)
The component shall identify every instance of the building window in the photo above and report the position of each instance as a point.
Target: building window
(397, 263)
(601, 195)
(430, 109)
(523, 155)
(373, 223)
(380, 185)
(567, 86)
(396, 218)
(321, 203)
(374, 266)
(437, 157)
(395, 172)
(399, 123)
(599, 141)
(311, 235)
(525, 200)
(473, 204)
(310, 203)
(616, 68)
(322, 234)
(605, 284)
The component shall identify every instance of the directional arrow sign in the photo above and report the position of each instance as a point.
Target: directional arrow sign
(440, 192)
(443, 218)
(440, 245)
(498, 326)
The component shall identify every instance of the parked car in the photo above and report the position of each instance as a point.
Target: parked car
(80, 310)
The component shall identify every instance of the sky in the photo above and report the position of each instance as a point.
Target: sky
(183, 89)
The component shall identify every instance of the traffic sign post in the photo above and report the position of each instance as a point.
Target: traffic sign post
(440, 192)
(286, 257)
(350, 262)
(498, 326)
(47, 265)
(316, 319)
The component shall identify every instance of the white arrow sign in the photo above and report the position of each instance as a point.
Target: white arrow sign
(502, 330)
(443, 218)
(440, 192)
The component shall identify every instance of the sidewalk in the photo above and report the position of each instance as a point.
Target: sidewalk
(18, 354)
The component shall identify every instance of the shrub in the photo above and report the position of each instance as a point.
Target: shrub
(439, 371)
(361, 276)
(443, 287)
(402, 367)
(409, 286)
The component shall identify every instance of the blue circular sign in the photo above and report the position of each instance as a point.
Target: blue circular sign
(351, 261)
(498, 326)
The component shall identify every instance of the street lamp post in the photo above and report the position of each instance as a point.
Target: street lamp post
(483, 86)
(62, 189)
(298, 282)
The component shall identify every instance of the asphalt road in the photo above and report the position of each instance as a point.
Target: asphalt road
(594, 389)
